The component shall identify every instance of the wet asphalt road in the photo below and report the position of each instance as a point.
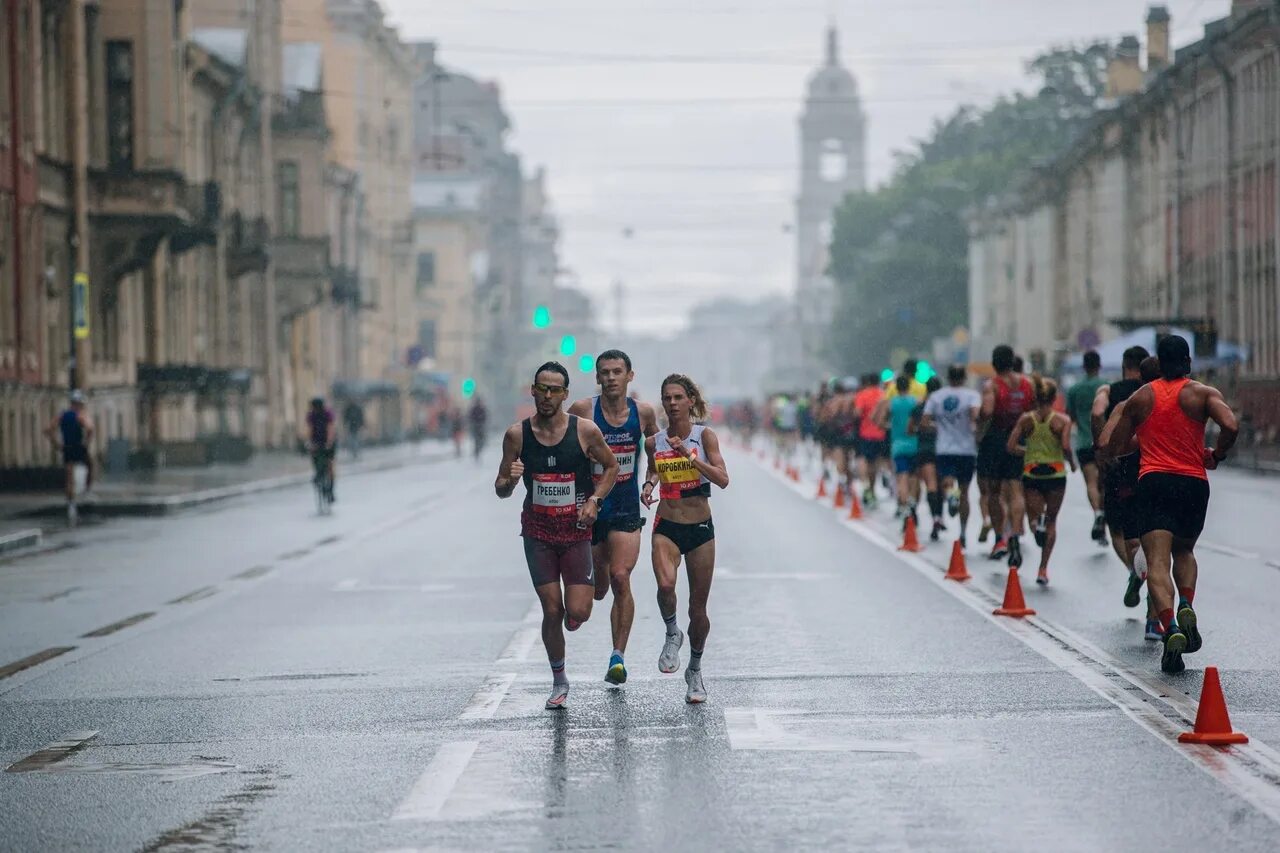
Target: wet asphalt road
(263, 678)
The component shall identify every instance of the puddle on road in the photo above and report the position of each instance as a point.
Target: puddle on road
(165, 771)
(251, 573)
(299, 676)
(219, 827)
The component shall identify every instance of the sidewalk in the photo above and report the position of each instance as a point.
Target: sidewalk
(173, 489)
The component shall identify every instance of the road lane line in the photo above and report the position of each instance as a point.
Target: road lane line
(251, 573)
(53, 753)
(1251, 771)
(520, 646)
(485, 701)
(118, 626)
(196, 595)
(33, 660)
(430, 793)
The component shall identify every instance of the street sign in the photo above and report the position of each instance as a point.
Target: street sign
(80, 306)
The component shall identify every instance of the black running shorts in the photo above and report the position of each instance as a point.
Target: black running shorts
(686, 537)
(1172, 502)
(995, 462)
(1086, 456)
(623, 523)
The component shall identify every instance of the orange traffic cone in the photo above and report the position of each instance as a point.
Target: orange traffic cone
(855, 508)
(1213, 724)
(794, 473)
(909, 540)
(822, 489)
(777, 463)
(1014, 603)
(956, 569)
(838, 501)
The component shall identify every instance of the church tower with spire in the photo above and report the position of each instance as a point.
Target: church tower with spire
(833, 132)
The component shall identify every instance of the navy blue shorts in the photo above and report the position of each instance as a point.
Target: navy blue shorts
(961, 468)
(905, 464)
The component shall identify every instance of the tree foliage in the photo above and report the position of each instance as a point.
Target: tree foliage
(899, 255)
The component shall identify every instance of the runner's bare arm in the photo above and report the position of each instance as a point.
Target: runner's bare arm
(648, 419)
(1123, 439)
(1067, 425)
(1020, 429)
(1217, 410)
(988, 400)
(511, 469)
(713, 467)
(1098, 415)
(650, 474)
(881, 416)
(1103, 437)
(52, 432)
(598, 451)
(582, 408)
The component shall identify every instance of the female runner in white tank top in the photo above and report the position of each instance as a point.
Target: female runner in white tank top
(684, 460)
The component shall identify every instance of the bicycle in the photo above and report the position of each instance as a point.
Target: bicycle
(323, 483)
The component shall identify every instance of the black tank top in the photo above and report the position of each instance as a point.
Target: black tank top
(1125, 473)
(557, 481)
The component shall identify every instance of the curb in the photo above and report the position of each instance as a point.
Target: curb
(21, 539)
(169, 504)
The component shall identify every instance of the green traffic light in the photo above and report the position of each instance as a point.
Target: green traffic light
(568, 345)
(541, 317)
(468, 387)
(587, 363)
(924, 372)
(886, 375)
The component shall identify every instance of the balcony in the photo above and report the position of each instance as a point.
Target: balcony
(133, 211)
(247, 247)
(301, 257)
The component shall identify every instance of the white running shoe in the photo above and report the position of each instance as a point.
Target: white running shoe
(697, 692)
(559, 698)
(669, 660)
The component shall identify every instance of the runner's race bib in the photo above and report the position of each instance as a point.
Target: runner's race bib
(626, 456)
(554, 495)
(676, 473)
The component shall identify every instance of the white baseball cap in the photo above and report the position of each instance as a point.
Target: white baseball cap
(77, 396)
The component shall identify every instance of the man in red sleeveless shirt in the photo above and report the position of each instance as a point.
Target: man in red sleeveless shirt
(1165, 420)
(1005, 398)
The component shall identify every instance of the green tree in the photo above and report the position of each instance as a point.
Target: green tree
(899, 254)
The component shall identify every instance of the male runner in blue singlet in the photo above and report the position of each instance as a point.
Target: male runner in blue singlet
(615, 537)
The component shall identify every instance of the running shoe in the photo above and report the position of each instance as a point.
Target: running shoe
(1100, 530)
(1000, 549)
(1042, 577)
(617, 672)
(938, 528)
(1187, 621)
(1015, 553)
(1133, 592)
(963, 544)
(559, 698)
(869, 496)
(1175, 643)
(1038, 532)
(1153, 631)
(983, 533)
(669, 660)
(697, 692)
(953, 502)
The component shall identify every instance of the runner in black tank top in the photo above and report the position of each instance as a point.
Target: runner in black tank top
(552, 453)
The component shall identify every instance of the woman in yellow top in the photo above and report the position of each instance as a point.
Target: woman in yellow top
(1045, 456)
(684, 460)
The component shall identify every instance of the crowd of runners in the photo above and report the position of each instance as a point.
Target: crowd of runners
(1138, 441)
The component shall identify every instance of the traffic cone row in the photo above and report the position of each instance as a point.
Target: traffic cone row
(1213, 723)
(1014, 604)
(956, 569)
(837, 502)
(822, 488)
(910, 542)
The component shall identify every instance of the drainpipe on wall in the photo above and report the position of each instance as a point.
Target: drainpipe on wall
(78, 129)
(15, 130)
(1231, 259)
(1175, 274)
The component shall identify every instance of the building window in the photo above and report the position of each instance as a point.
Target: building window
(120, 104)
(833, 163)
(426, 270)
(52, 82)
(427, 338)
(287, 192)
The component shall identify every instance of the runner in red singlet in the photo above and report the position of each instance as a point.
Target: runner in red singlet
(1166, 421)
(1005, 399)
(873, 441)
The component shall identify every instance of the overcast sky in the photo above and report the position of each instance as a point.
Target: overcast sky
(678, 119)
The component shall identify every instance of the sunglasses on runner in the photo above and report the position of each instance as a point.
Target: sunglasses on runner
(549, 390)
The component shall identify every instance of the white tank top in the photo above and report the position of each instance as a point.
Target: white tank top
(678, 478)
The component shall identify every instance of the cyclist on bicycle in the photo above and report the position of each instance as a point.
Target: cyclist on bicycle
(322, 437)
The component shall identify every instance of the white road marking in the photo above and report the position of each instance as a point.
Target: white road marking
(52, 753)
(485, 701)
(520, 646)
(1228, 550)
(353, 585)
(1251, 771)
(346, 585)
(756, 729)
(734, 575)
(430, 793)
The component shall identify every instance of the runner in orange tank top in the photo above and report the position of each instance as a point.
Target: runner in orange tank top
(1165, 420)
